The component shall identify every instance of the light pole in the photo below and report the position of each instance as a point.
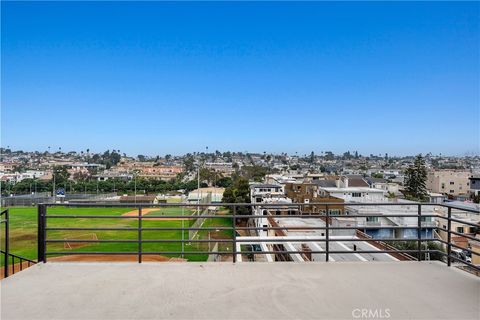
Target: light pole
(183, 233)
(53, 191)
(135, 184)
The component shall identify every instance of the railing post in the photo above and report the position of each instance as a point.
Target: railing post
(41, 233)
(7, 243)
(139, 234)
(327, 236)
(419, 232)
(234, 250)
(449, 236)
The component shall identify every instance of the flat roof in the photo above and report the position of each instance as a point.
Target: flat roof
(353, 189)
(334, 290)
(265, 185)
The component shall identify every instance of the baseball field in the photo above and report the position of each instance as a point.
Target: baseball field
(23, 233)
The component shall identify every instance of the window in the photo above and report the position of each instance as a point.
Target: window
(356, 194)
(460, 229)
(452, 191)
(258, 200)
(426, 219)
(443, 185)
(452, 183)
(473, 230)
(372, 219)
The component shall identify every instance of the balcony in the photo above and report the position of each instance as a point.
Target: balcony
(402, 290)
(396, 284)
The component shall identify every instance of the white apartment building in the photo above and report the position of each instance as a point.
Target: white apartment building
(355, 194)
(429, 224)
(265, 194)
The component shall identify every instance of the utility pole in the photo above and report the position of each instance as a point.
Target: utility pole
(135, 183)
(198, 187)
(53, 191)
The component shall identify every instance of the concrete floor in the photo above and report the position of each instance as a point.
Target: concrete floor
(388, 290)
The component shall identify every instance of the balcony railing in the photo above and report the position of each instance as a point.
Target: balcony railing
(238, 225)
(8, 257)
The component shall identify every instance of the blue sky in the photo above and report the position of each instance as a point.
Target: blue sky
(157, 78)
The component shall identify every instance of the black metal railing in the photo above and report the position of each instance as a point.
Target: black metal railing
(7, 255)
(238, 224)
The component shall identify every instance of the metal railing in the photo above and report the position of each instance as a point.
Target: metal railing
(238, 225)
(7, 255)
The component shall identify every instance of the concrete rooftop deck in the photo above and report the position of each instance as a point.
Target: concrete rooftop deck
(408, 290)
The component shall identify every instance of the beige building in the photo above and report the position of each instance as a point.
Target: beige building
(453, 182)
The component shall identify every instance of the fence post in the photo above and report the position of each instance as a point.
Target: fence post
(234, 250)
(449, 236)
(327, 236)
(419, 232)
(139, 234)
(41, 233)
(7, 243)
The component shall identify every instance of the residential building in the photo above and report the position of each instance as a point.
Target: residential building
(429, 224)
(158, 172)
(7, 166)
(265, 194)
(451, 182)
(457, 226)
(354, 194)
(474, 185)
(308, 192)
(225, 168)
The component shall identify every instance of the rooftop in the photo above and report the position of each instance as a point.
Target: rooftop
(404, 290)
(354, 189)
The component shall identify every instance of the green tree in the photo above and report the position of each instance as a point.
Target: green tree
(255, 173)
(60, 174)
(415, 180)
(224, 182)
(238, 192)
(189, 163)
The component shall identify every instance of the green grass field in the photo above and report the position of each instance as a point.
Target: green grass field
(23, 231)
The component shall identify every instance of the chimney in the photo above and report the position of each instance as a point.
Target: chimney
(346, 182)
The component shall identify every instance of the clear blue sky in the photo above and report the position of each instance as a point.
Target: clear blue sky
(157, 78)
